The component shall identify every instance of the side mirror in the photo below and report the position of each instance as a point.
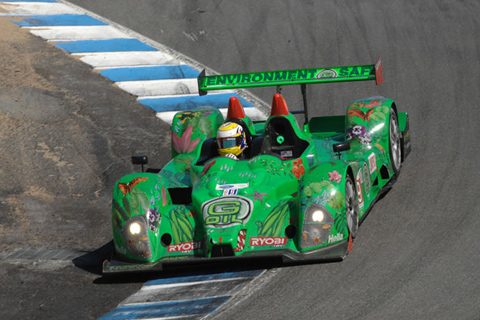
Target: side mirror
(140, 160)
(339, 147)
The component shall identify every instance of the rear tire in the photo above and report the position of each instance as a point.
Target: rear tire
(394, 144)
(351, 207)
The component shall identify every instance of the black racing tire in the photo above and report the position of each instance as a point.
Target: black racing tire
(351, 207)
(394, 143)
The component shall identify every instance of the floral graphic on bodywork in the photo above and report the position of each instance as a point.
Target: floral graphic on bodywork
(257, 195)
(334, 176)
(360, 114)
(323, 192)
(153, 218)
(136, 203)
(372, 104)
(199, 120)
(273, 166)
(360, 132)
(127, 187)
(273, 224)
(298, 169)
(184, 144)
(182, 229)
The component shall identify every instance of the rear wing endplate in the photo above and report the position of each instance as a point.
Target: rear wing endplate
(290, 77)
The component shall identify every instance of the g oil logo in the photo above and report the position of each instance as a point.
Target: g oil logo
(225, 212)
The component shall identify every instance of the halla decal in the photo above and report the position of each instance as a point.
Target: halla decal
(335, 238)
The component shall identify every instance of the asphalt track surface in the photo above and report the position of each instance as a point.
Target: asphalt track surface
(416, 255)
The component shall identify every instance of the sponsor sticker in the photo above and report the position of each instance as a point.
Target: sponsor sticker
(372, 161)
(230, 192)
(231, 186)
(227, 211)
(368, 181)
(335, 238)
(286, 154)
(268, 241)
(326, 73)
(359, 188)
(231, 189)
(185, 247)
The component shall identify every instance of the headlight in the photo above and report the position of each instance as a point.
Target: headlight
(136, 237)
(135, 228)
(318, 215)
(317, 225)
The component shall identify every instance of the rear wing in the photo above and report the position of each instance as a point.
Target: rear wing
(289, 77)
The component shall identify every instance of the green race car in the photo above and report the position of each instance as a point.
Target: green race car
(299, 192)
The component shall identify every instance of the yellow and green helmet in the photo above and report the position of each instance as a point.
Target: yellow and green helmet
(231, 139)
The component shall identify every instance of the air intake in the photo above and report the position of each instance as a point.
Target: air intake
(224, 250)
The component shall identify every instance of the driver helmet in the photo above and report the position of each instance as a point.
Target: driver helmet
(231, 139)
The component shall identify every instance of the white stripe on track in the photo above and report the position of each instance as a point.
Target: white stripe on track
(190, 95)
(69, 33)
(158, 287)
(154, 89)
(105, 60)
(146, 88)
(36, 8)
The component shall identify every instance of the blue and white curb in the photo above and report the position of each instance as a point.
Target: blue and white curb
(161, 79)
(192, 297)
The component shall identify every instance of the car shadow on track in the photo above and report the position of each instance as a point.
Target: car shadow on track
(92, 261)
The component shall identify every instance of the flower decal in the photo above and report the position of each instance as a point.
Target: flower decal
(184, 144)
(334, 176)
(360, 132)
(298, 169)
(373, 104)
(153, 218)
(164, 196)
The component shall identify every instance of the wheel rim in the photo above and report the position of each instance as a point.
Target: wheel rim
(395, 142)
(351, 208)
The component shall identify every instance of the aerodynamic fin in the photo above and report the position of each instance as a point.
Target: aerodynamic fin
(279, 106)
(235, 109)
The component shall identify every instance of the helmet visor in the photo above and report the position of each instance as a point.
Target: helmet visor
(227, 143)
